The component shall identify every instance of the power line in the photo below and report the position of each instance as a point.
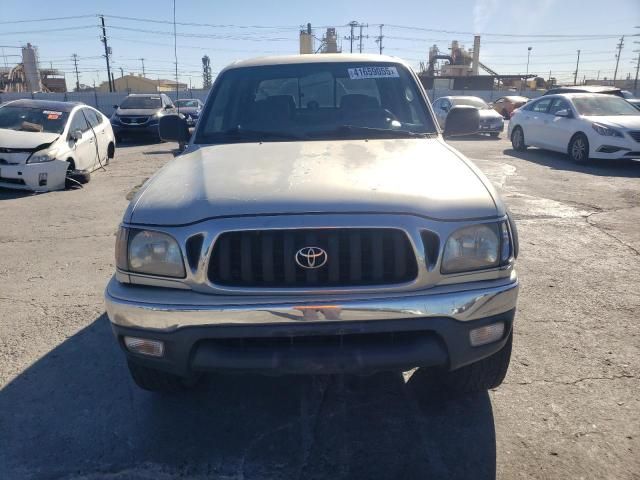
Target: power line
(48, 19)
(61, 29)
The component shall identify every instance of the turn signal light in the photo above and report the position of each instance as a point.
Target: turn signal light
(484, 335)
(144, 346)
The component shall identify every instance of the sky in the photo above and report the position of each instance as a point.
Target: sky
(237, 30)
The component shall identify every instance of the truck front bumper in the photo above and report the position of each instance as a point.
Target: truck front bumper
(357, 335)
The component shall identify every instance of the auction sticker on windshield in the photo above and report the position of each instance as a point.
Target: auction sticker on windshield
(373, 72)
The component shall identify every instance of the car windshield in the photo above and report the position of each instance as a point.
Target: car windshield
(187, 103)
(30, 119)
(314, 101)
(471, 101)
(131, 103)
(603, 105)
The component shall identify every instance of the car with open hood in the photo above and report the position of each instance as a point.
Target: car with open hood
(316, 222)
(45, 145)
(491, 122)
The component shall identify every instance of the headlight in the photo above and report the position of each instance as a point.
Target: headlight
(606, 131)
(41, 158)
(146, 251)
(477, 247)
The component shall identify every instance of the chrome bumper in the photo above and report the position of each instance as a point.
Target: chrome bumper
(162, 309)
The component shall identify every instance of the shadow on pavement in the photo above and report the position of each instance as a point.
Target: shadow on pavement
(474, 137)
(75, 412)
(11, 194)
(560, 161)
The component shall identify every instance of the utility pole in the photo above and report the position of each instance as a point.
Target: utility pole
(175, 50)
(75, 65)
(143, 72)
(575, 74)
(360, 37)
(635, 82)
(103, 39)
(353, 24)
(379, 40)
(619, 47)
(121, 72)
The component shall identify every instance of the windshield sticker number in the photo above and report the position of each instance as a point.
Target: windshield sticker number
(373, 72)
(53, 116)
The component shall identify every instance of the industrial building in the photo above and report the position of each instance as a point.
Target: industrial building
(139, 84)
(27, 76)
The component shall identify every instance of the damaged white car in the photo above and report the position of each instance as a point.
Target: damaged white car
(46, 145)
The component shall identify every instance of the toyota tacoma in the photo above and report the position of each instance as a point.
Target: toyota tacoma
(316, 222)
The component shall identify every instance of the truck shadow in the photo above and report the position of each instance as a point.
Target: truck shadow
(75, 411)
(560, 161)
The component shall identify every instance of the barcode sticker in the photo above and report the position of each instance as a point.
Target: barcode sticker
(373, 72)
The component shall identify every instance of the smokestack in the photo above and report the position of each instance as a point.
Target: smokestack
(476, 54)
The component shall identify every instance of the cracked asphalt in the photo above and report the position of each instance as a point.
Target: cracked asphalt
(569, 407)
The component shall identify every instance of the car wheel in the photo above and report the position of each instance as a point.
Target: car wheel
(517, 140)
(579, 148)
(483, 375)
(158, 381)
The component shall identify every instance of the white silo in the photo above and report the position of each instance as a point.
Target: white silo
(31, 71)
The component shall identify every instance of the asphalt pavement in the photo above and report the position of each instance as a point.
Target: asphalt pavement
(569, 407)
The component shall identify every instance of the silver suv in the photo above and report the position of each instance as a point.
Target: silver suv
(316, 222)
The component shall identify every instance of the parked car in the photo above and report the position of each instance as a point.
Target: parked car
(190, 108)
(490, 121)
(506, 105)
(631, 98)
(317, 222)
(45, 145)
(583, 125)
(138, 115)
(602, 89)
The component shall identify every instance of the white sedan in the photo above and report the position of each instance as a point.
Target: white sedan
(45, 145)
(582, 125)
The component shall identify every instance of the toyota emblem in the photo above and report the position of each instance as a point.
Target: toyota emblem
(311, 257)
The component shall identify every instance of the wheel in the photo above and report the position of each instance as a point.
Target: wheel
(111, 150)
(494, 134)
(517, 140)
(579, 148)
(157, 381)
(482, 375)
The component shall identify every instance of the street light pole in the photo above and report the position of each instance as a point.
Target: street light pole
(527, 74)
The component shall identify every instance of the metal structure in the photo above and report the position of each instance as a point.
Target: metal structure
(30, 68)
(306, 41)
(206, 72)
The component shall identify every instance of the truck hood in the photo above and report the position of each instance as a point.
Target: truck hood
(26, 141)
(423, 177)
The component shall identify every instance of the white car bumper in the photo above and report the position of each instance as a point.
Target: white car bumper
(613, 148)
(39, 177)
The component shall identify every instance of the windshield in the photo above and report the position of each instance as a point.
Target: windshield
(131, 103)
(314, 101)
(471, 101)
(187, 103)
(29, 119)
(603, 105)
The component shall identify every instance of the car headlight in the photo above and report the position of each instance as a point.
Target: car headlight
(477, 247)
(606, 131)
(41, 158)
(149, 252)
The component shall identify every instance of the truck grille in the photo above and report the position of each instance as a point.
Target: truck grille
(354, 257)
(635, 135)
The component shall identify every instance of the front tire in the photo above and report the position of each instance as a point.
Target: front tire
(517, 140)
(154, 380)
(578, 149)
(483, 375)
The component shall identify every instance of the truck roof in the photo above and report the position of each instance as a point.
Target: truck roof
(320, 58)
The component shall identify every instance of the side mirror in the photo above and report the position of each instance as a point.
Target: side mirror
(115, 106)
(168, 107)
(563, 113)
(75, 135)
(462, 120)
(174, 128)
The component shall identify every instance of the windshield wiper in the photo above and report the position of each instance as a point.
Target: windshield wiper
(259, 134)
(348, 130)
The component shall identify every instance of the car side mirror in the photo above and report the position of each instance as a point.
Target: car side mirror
(168, 107)
(563, 113)
(462, 120)
(115, 106)
(75, 135)
(174, 128)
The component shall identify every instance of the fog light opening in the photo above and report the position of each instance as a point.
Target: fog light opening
(488, 334)
(42, 179)
(144, 346)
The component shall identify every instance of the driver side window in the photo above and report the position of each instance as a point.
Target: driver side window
(78, 122)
